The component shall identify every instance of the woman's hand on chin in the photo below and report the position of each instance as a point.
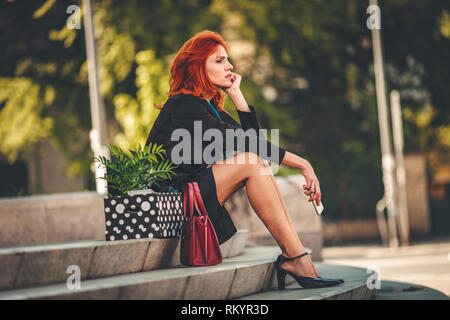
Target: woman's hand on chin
(235, 86)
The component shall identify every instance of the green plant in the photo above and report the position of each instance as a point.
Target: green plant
(137, 170)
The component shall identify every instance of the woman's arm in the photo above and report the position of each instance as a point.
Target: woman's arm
(294, 161)
(248, 119)
(288, 159)
(190, 109)
(246, 112)
(238, 99)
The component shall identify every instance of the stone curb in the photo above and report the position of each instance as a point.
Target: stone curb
(248, 276)
(241, 275)
(45, 264)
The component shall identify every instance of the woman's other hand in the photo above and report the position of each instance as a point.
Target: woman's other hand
(312, 185)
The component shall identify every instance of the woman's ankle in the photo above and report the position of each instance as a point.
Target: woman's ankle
(305, 269)
(293, 254)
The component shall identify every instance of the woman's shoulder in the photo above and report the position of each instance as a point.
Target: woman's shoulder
(186, 96)
(183, 100)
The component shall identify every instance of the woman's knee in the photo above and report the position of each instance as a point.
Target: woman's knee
(251, 161)
(236, 170)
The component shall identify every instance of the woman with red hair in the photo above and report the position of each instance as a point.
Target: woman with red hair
(201, 76)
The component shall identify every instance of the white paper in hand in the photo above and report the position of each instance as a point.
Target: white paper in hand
(317, 209)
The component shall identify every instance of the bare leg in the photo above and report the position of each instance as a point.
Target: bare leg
(265, 198)
(305, 261)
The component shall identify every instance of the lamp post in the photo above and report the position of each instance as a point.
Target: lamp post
(397, 129)
(98, 134)
(387, 159)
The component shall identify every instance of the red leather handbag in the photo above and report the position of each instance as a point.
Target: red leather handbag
(199, 244)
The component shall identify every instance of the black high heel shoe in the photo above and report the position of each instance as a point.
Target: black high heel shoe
(305, 282)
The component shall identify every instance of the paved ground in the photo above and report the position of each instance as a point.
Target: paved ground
(406, 272)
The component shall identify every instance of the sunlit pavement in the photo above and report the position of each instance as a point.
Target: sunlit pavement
(402, 270)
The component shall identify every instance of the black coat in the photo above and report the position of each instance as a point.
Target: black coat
(180, 111)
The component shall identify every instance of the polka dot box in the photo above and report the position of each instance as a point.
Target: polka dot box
(153, 215)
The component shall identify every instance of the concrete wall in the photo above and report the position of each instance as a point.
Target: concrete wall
(351, 231)
(46, 174)
(417, 194)
(51, 218)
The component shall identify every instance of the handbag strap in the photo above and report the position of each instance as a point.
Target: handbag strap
(189, 190)
(195, 199)
(193, 195)
(198, 196)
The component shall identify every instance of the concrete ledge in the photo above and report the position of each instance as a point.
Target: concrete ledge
(45, 264)
(248, 276)
(51, 218)
(244, 274)
(354, 287)
(350, 231)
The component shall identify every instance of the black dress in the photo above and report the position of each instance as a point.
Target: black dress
(180, 111)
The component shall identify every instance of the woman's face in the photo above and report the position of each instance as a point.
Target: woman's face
(218, 68)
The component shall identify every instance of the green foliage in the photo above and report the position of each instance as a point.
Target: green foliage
(22, 118)
(137, 170)
(137, 115)
(44, 83)
(328, 44)
(332, 121)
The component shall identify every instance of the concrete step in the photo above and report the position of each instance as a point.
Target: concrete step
(393, 290)
(354, 288)
(46, 264)
(239, 276)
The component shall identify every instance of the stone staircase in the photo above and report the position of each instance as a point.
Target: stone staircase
(45, 239)
(246, 274)
(38, 265)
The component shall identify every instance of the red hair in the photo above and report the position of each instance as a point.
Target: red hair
(188, 71)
